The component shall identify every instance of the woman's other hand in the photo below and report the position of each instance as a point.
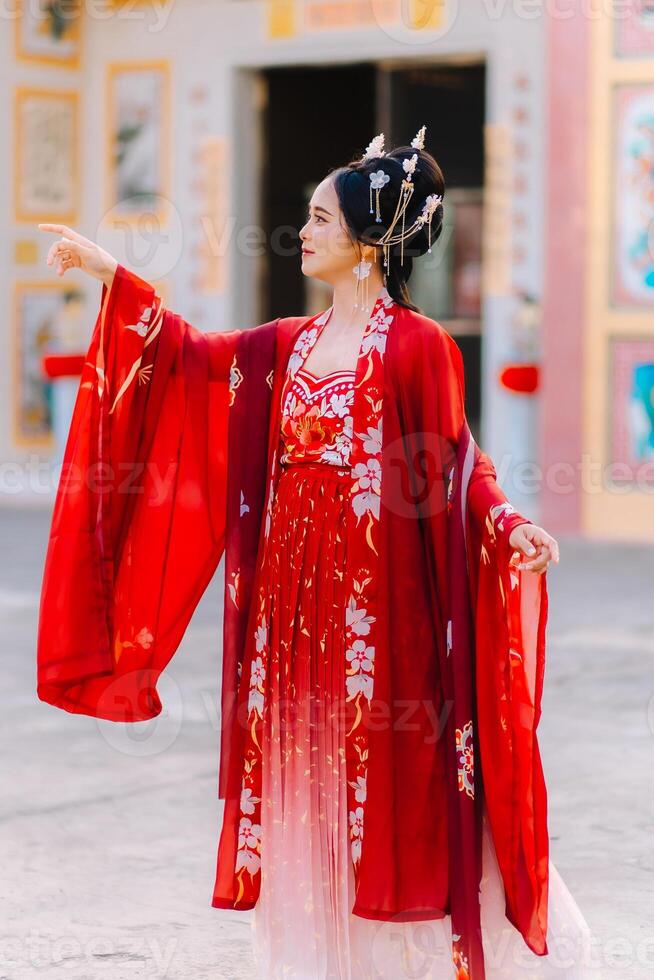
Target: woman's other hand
(74, 251)
(534, 542)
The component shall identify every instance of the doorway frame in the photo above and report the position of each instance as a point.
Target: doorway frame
(248, 102)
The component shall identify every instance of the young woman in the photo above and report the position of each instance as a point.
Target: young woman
(385, 605)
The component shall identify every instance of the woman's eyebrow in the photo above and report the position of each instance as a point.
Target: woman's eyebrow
(318, 207)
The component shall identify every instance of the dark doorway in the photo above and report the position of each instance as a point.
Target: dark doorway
(317, 117)
(450, 101)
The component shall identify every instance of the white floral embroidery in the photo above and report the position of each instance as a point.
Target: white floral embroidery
(360, 788)
(356, 832)
(255, 702)
(248, 800)
(356, 619)
(256, 690)
(341, 402)
(340, 454)
(143, 324)
(261, 635)
(301, 348)
(372, 439)
(376, 340)
(499, 512)
(361, 658)
(368, 475)
(366, 472)
(249, 841)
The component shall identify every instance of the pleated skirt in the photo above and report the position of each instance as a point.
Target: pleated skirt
(302, 927)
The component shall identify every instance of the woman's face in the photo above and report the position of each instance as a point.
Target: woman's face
(328, 252)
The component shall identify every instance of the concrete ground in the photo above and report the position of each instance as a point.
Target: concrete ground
(110, 838)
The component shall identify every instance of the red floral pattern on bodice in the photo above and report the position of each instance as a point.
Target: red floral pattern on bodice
(316, 421)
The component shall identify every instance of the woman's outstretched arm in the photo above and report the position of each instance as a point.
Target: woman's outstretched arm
(139, 518)
(486, 499)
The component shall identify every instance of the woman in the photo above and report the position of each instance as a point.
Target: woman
(383, 645)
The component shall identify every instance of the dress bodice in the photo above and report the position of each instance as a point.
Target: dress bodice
(316, 421)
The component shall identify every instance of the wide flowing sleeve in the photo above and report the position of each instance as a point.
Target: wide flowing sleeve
(496, 650)
(138, 524)
(509, 611)
(485, 498)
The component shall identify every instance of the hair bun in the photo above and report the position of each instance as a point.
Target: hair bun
(356, 192)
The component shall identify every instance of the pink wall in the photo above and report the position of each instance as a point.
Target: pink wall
(564, 280)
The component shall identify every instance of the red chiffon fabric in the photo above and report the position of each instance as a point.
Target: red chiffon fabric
(303, 925)
(172, 460)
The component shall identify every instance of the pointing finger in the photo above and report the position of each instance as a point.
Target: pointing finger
(65, 231)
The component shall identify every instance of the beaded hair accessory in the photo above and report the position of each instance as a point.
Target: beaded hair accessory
(379, 179)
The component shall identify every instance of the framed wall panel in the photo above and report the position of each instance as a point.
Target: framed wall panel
(631, 407)
(46, 150)
(45, 314)
(632, 253)
(49, 32)
(138, 140)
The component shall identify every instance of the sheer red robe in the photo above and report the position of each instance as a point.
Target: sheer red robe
(171, 462)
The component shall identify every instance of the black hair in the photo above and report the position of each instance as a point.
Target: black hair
(352, 185)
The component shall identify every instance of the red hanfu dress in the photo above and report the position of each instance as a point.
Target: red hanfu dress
(383, 655)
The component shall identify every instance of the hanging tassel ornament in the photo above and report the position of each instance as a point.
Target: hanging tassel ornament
(378, 180)
(362, 271)
(432, 201)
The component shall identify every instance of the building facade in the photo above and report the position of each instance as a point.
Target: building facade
(187, 138)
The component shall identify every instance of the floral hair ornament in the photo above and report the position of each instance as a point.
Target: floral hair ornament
(375, 148)
(418, 141)
(378, 180)
(390, 237)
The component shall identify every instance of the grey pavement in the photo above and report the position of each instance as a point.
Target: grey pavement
(110, 838)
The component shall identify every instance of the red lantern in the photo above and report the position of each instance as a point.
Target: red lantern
(520, 378)
(62, 365)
